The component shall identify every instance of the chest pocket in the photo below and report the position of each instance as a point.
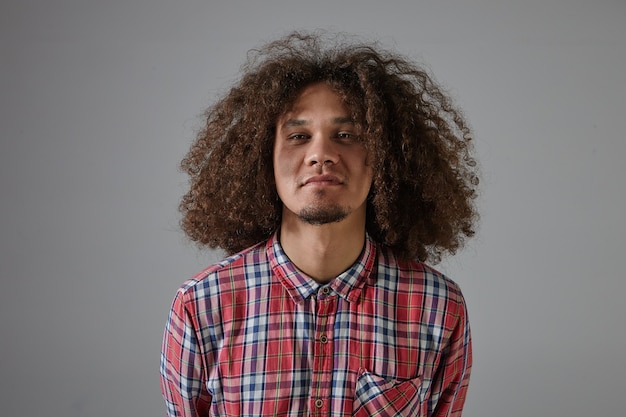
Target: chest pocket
(377, 396)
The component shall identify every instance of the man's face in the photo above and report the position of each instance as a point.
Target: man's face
(320, 165)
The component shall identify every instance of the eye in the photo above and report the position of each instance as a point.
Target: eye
(298, 136)
(347, 136)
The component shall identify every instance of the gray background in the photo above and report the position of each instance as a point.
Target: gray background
(100, 100)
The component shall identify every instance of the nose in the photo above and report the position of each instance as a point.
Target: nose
(322, 151)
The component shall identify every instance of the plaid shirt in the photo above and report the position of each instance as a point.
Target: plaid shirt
(252, 336)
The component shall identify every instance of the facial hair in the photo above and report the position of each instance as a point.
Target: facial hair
(318, 216)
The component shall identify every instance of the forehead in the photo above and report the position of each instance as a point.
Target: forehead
(316, 96)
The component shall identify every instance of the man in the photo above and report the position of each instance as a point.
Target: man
(330, 173)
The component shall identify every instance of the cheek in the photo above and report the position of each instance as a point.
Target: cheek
(368, 175)
(365, 161)
(283, 170)
(369, 180)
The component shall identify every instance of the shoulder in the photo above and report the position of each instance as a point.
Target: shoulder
(229, 273)
(415, 277)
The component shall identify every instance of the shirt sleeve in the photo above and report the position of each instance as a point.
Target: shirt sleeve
(451, 380)
(182, 365)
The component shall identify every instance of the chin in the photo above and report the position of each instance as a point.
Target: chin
(323, 215)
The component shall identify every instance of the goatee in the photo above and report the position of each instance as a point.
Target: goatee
(323, 215)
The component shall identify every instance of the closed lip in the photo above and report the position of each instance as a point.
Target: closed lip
(325, 179)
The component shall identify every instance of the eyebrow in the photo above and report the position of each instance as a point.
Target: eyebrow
(302, 122)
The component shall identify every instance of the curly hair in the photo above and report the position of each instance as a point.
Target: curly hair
(421, 202)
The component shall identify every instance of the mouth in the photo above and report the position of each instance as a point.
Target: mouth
(322, 180)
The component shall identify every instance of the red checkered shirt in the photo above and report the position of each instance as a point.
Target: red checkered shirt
(253, 336)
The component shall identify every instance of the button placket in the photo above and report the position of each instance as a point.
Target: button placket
(323, 359)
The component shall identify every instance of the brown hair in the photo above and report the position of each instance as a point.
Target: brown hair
(421, 200)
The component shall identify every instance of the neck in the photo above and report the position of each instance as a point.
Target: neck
(323, 251)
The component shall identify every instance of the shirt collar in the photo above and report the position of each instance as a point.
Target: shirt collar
(300, 286)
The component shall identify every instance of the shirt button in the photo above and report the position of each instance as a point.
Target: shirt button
(323, 338)
(325, 290)
(319, 403)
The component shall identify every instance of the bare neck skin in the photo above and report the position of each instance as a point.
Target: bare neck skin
(323, 251)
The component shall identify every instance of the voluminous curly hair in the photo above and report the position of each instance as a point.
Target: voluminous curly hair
(421, 202)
